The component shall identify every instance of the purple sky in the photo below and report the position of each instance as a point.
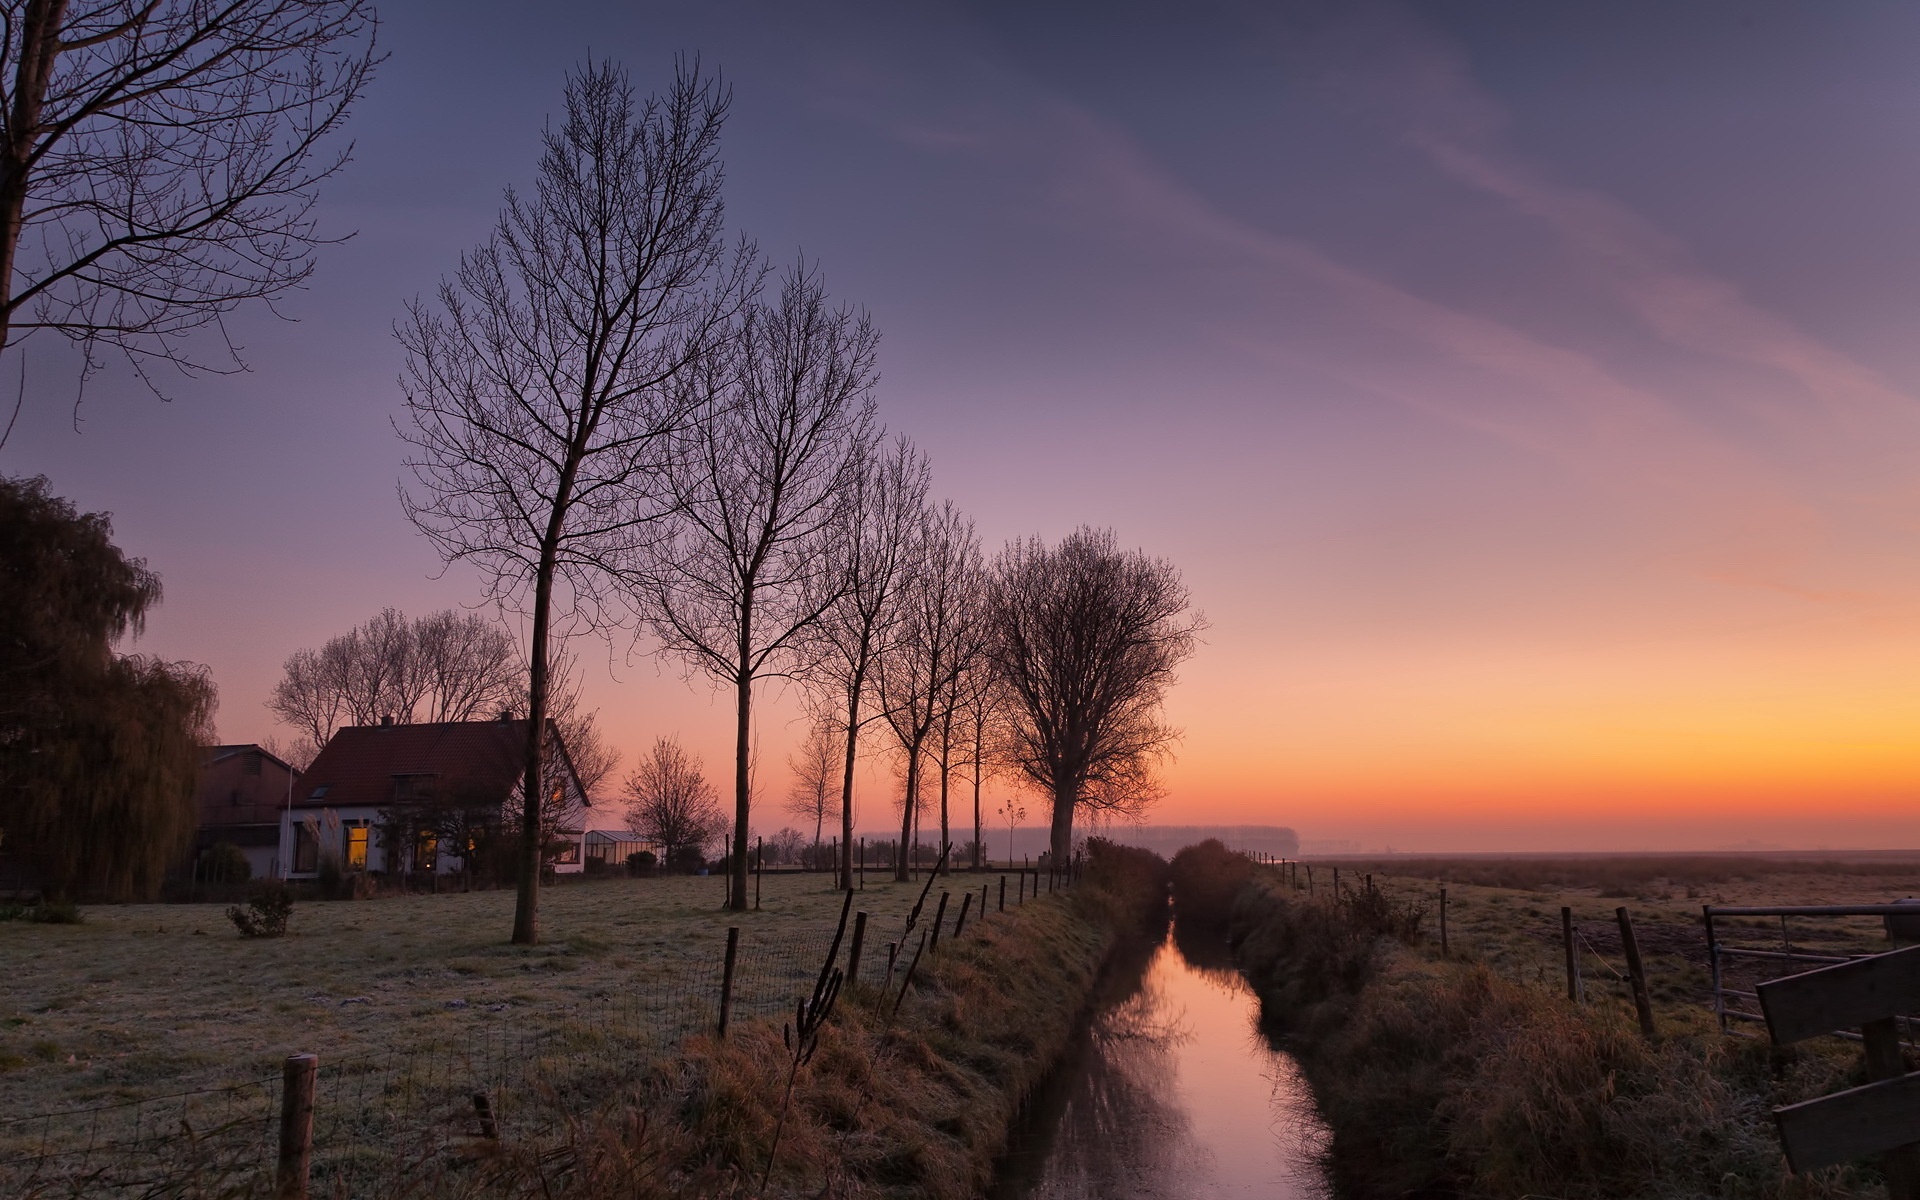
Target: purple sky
(1527, 391)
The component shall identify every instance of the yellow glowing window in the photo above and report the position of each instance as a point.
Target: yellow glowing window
(423, 856)
(357, 848)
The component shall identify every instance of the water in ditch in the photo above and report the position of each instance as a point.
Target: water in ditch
(1171, 1090)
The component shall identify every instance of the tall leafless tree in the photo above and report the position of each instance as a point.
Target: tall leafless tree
(544, 386)
(978, 711)
(758, 489)
(670, 801)
(815, 763)
(450, 666)
(159, 161)
(870, 557)
(1086, 638)
(915, 678)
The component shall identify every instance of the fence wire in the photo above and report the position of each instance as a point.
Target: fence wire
(536, 1070)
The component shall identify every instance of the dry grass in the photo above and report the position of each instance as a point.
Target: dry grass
(143, 1001)
(1471, 1074)
(148, 1000)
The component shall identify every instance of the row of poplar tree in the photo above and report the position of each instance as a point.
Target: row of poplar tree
(628, 422)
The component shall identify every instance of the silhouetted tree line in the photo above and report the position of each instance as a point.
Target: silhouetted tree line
(627, 420)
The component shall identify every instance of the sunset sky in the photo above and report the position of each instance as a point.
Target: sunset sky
(1530, 394)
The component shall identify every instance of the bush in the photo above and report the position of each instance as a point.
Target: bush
(224, 862)
(47, 912)
(642, 862)
(268, 907)
(686, 860)
(1206, 879)
(594, 866)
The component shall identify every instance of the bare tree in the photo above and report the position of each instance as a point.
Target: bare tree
(915, 678)
(670, 801)
(466, 666)
(543, 387)
(1086, 638)
(758, 492)
(449, 666)
(816, 777)
(870, 555)
(159, 161)
(979, 710)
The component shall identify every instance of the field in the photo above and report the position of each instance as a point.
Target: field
(1506, 913)
(1469, 1072)
(398, 997)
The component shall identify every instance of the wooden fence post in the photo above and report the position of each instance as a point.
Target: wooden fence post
(483, 1109)
(983, 902)
(939, 915)
(853, 952)
(1003, 893)
(1444, 951)
(726, 976)
(297, 1078)
(759, 863)
(960, 922)
(1636, 974)
(1573, 962)
(893, 956)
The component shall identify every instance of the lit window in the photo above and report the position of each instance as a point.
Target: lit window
(423, 852)
(357, 848)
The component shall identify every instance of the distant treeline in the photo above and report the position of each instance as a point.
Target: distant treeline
(1029, 842)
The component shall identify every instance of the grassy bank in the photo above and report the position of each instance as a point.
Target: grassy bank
(918, 1104)
(596, 1050)
(1441, 1077)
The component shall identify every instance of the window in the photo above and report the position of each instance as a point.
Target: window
(412, 787)
(250, 762)
(356, 838)
(423, 852)
(320, 793)
(306, 848)
(569, 852)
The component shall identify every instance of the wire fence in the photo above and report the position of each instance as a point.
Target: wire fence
(1732, 949)
(507, 1074)
(415, 1098)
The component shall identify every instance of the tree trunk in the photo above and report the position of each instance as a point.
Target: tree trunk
(526, 908)
(907, 812)
(742, 789)
(1062, 843)
(946, 837)
(979, 836)
(846, 784)
(39, 47)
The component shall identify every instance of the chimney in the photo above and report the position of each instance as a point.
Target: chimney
(506, 714)
(386, 722)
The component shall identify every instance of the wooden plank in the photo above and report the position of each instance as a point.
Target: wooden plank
(1843, 996)
(1855, 1124)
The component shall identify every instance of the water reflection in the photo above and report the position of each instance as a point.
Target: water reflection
(1172, 1091)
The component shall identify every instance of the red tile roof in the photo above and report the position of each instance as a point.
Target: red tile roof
(360, 762)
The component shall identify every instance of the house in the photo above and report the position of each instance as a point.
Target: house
(434, 798)
(242, 797)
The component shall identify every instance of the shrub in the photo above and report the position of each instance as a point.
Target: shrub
(268, 907)
(1206, 878)
(56, 912)
(642, 862)
(47, 912)
(594, 866)
(224, 862)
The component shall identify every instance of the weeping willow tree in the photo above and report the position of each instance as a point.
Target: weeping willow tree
(99, 752)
